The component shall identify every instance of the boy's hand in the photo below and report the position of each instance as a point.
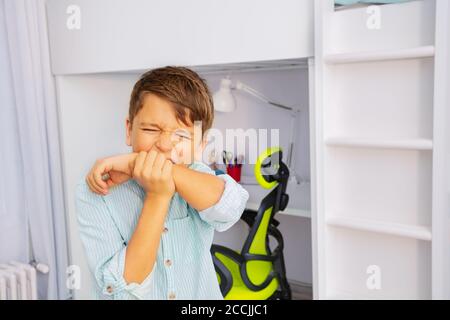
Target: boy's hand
(153, 171)
(117, 170)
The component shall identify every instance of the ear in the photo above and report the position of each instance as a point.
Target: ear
(128, 131)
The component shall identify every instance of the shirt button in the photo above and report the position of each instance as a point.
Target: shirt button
(165, 230)
(172, 295)
(168, 262)
(109, 289)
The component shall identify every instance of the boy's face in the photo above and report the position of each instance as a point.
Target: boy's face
(156, 126)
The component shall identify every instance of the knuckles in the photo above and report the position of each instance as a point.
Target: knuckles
(148, 175)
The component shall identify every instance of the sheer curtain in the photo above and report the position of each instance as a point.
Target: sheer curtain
(32, 212)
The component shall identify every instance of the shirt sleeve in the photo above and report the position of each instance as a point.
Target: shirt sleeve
(104, 247)
(228, 210)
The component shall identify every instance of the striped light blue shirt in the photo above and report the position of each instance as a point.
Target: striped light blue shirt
(183, 268)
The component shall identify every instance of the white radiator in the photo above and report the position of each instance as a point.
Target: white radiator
(18, 280)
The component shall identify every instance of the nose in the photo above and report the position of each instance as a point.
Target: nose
(165, 142)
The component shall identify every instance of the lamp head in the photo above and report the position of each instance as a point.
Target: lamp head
(223, 99)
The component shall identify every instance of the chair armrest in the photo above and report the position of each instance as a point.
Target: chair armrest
(252, 286)
(233, 255)
(241, 261)
(226, 280)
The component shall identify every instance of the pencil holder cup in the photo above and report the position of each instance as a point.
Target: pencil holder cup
(234, 172)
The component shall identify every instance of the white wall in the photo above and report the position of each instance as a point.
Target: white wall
(92, 114)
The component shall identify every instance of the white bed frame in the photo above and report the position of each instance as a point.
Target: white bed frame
(378, 107)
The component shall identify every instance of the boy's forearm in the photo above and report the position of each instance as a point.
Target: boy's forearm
(143, 247)
(123, 162)
(200, 190)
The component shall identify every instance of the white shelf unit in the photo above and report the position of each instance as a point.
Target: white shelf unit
(384, 227)
(382, 55)
(373, 167)
(411, 144)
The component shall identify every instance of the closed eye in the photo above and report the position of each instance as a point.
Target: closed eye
(151, 130)
(183, 134)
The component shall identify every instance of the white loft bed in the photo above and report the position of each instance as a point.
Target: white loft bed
(138, 34)
(232, 38)
(362, 143)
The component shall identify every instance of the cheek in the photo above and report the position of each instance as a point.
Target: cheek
(181, 153)
(142, 142)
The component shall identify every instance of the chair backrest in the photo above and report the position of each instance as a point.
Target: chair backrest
(257, 241)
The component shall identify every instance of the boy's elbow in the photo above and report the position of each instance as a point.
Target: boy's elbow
(220, 189)
(244, 198)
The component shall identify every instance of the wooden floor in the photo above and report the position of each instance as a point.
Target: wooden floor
(300, 291)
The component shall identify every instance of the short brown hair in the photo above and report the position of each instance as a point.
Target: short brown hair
(184, 88)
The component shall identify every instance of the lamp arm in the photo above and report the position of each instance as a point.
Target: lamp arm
(294, 112)
(243, 87)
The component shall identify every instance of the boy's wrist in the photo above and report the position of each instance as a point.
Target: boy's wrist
(132, 162)
(177, 171)
(158, 197)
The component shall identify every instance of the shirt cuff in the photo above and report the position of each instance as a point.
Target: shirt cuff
(114, 284)
(202, 167)
(228, 210)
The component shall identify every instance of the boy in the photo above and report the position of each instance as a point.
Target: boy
(149, 235)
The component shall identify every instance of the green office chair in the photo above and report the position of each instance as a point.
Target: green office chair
(257, 272)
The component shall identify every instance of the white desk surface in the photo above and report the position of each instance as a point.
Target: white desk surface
(299, 199)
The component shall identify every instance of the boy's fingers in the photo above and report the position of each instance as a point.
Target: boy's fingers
(139, 163)
(92, 185)
(99, 182)
(158, 165)
(167, 169)
(100, 171)
(96, 178)
(89, 184)
(147, 169)
(97, 188)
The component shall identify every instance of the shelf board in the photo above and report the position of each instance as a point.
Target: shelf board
(384, 55)
(378, 226)
(407, 144)
(289, 211)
